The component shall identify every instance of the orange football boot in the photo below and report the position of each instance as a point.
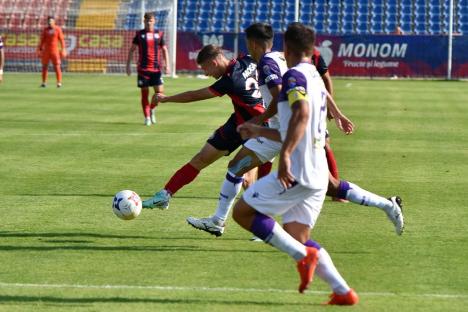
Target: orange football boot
(306, 268)
(350, 298)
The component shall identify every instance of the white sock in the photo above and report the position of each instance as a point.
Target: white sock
(229, 190)
(281, 240)
(327, 271)
(362, 197)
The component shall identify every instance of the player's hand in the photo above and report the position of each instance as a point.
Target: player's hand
(129, 70)
(158, 98)
(248, 130)
(63, 54)
(344, 124)
(285, 176)
(39, 53)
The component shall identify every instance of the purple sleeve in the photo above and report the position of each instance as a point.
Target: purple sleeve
(269, 73)
(292, 80)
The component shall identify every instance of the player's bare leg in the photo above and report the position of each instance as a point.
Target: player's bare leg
(185, 175)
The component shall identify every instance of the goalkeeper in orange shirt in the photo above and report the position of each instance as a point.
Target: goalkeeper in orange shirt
(49, 51)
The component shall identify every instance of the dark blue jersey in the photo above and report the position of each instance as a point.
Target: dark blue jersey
(240, 83)
(149, 49)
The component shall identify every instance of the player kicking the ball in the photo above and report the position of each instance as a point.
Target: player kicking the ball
(237, 79)
(297, 191)
(271, 67)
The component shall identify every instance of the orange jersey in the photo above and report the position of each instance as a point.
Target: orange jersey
(49, 39)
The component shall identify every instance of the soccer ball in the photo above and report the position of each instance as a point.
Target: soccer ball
(126, 205)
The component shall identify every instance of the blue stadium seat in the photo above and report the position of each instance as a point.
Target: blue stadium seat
(218, 25)
(347, 28)
(277, 25)
(362, 28)
(435, 28)
(203, 26)
(305, 7)
(189, 26)
(262, 16)
(306, 18)
(319, 26)
(333, 28)
(376, 27)
(420, 29)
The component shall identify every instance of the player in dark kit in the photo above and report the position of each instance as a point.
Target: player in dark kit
(150, 44)
(237, 79)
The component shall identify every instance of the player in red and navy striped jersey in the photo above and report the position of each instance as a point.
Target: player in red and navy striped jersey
(150, 44)
(238, 80)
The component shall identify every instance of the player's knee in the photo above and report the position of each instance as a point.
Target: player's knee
(241, 166)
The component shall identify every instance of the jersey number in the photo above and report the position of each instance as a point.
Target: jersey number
(252, 84)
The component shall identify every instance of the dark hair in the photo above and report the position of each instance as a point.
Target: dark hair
(148, 15)
(300, 38)
(208, 52)
(50, 17)
(262, 32)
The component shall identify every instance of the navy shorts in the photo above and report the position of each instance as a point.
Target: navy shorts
(149, 79)
(226, 137)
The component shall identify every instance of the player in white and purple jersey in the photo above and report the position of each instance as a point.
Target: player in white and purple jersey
(237, 79)
(297, 191)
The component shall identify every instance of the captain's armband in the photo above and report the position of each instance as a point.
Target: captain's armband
(297, 94)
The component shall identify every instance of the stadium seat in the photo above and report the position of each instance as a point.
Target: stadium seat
(362, 28)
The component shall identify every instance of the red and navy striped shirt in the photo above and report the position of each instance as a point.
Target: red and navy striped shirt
(240, 83)
(149, 49)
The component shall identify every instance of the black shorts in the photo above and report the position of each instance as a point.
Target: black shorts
(226, 137)
(149, 79)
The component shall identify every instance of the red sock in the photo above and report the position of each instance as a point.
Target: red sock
(145, 102)
(44, 73)
(332, 165)
(183, 176)
(264, 169)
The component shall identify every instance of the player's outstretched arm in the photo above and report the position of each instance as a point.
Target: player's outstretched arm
(342, 122)
(250, 130)
(184, 97)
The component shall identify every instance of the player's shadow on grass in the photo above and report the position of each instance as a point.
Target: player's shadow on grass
(71, 234)
(57, 236)
(119, 300)
(165, 248)
(112, 195)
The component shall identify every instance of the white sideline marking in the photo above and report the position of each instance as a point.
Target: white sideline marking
(225, 289)
(89, 133)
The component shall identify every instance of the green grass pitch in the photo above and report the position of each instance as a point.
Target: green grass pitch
(65, 152)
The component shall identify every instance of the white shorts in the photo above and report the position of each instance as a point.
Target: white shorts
(265, 149)
(296, 204)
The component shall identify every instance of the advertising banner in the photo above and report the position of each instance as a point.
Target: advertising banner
(357, 55)
(347, 55)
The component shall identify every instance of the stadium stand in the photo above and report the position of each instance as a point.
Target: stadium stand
(331, 16)
(325, 16)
